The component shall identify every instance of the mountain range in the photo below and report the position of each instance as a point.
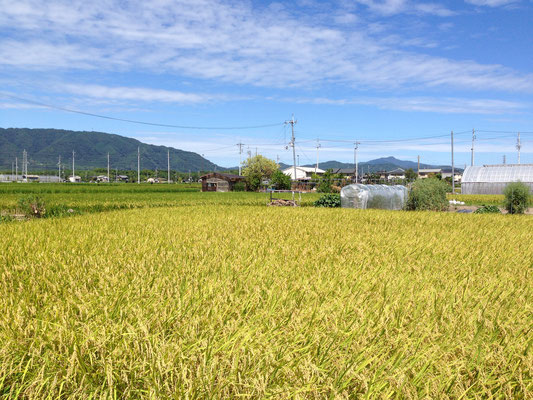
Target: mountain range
(44, 146)
(379, 164)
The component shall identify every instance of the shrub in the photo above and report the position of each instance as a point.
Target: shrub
(60, 210)
(6, 218)
(428, 194)
(32, 206)
(516, 198)
(488, 209)
(325, 185)
(331, 200)
(239, 187)
(280, 180)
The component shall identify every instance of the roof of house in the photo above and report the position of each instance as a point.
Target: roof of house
(305, 169)
(344, 171)
(222, 176)
(397, 171)
(430, 170)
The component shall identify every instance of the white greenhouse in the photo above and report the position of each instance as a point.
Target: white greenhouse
(492, 179)
(374, 196)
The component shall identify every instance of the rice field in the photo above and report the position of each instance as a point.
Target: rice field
(88, 198)
(213, 299)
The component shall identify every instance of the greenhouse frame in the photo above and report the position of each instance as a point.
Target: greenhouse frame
(374, 196)
(492, 179)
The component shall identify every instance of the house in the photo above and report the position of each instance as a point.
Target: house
(447, 173)
(347, 173)
(30, 178)
(122, 178)
(398, 173)
(303, 173)
(102, 178)
(428, 172)
(218, 182)
(74, 179)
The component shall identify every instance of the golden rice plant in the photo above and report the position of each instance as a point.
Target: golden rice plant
(220, 301)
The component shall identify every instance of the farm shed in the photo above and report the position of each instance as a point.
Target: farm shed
(492, 179)
(217, 182)
(373, 196)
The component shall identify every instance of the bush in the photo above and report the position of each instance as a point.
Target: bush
(32, 206)
(329, 200)
(239, 187)
(325, 185)
(516, 198)
(6, 218)
(428, 194)
(488, 209)
(60, 210)
(280, 181)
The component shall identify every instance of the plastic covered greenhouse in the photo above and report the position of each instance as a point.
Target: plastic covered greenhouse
(492, 179)
(374, 196)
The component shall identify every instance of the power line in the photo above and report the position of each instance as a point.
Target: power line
(139, 122)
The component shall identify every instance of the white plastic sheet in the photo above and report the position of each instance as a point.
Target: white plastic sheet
(374, 196)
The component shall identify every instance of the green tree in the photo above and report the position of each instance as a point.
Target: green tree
(280, 180)
(411, 175)
(256, 169)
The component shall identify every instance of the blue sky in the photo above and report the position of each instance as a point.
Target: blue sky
(366, 70)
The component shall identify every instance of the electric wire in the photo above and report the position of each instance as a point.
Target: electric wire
(137, 121)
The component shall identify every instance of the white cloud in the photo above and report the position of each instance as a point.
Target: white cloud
(231, 42)
(492, 3)
(135, 93)
(445, 105)
(391, 7)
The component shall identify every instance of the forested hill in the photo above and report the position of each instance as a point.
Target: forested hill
(44, 146)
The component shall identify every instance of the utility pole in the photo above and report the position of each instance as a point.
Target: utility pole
(317, 147)
(168, 165)
(108, 176)
(73, 174)
(518, 146)
(138, 165)
(504, 161)
(240, 156)
(16, 169)
(12, 170)
(356, 164)
(25, 164)
(59, 168)
(293, 144)
(473, 139)
(418, 167)
(453, 170)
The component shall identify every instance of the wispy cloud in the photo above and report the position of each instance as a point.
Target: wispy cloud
(445, 105)
(137, 94)
(391, 7)
(492, 3)
(231, 42)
